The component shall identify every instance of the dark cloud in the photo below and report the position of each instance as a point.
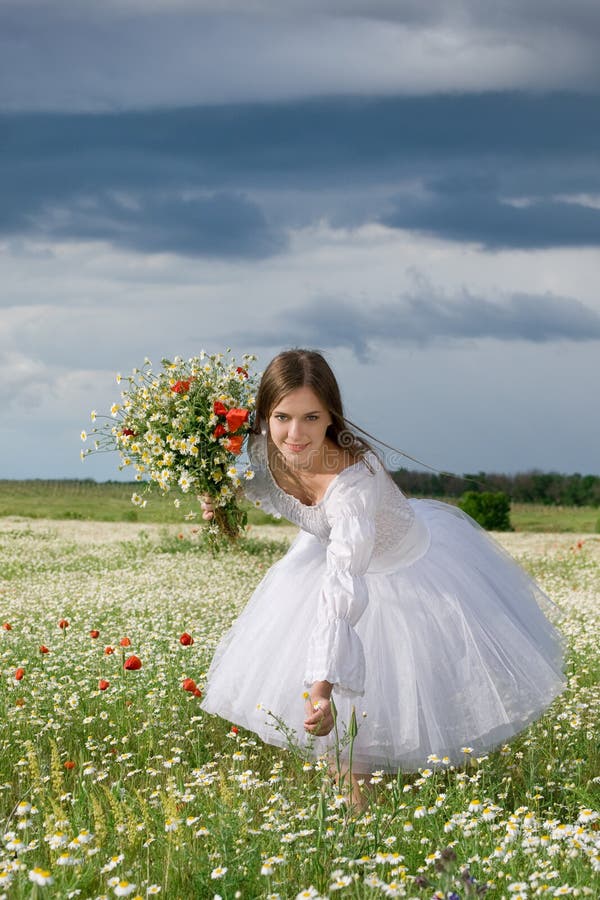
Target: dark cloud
(208, 180)
(220, 224)
(478, 213)
(426, 317)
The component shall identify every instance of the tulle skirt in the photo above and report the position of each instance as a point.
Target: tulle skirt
(459, 652)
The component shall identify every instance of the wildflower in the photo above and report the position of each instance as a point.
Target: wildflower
(124, 888)
(309, 893)
(94, 633)
(340, 882)
(132, 663)
(7, 626)
(219, 872)
(125, 642)
(109, 650)
(235, 419)
(234, 443)
(40, 876)
(44, 649)
(69, 764)
(19, 673)
(186, 639)
(103, 684)
(153, 889)
(83, 435)
(63, 624)
(188, 684)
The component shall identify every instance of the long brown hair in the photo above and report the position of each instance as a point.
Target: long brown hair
(297, 368)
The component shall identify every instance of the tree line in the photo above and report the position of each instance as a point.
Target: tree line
(548, 488)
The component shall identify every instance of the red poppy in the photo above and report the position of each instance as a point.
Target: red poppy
(219, 431)
(125, 642)
(127, 432)
(109, 650)
(94, 633)
(132, 663)
(20, 701)
(241, 371)
(197, 693)
(234, 443)
(7, 626)
(219, 408)
(234, 729)
(236, 418)
(186, 639)
(63, 623)
(103, 684)
(69, 764)
(44, 649)
(19, 673)
(181, 387)
(188, 684)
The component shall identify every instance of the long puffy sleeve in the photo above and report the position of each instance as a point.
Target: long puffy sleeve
(335, 651)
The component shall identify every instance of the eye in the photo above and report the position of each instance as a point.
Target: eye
(281, 417)
(312, 418)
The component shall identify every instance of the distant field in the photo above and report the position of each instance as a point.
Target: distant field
(111, 502)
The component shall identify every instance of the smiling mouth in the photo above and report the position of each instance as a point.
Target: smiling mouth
(296, 448)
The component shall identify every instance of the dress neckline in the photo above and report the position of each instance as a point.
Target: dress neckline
(327, 489)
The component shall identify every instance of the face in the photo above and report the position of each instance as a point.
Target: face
(297, 426)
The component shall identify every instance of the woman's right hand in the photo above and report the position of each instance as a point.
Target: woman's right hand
(206, 504)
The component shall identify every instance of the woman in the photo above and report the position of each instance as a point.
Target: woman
(405, 611)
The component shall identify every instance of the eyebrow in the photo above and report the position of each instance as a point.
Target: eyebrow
(313, 412)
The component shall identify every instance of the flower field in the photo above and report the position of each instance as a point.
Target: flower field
(114, 783)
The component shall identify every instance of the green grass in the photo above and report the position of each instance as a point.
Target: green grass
(108, 501)
(159, 795)
(111, 502)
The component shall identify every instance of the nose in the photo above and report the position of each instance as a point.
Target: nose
(294, 428)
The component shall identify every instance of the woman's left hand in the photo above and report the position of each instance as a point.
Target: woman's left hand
(319, 718)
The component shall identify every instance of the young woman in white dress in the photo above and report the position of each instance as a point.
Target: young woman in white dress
(405, 611)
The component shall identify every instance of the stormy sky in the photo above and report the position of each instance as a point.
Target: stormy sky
(413, 188)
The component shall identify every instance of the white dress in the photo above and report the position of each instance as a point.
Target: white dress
(422, 623)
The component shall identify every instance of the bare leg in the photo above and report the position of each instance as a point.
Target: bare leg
(356, 795)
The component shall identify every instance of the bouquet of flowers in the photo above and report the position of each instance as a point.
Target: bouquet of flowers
(183, 429)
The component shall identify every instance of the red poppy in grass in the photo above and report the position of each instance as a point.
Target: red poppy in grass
(44, 649)
(197, 693)
(181, 387)
(132, 663)
(234, 729)
(236, 418)
(241, 371)
(103, 684)
(109, 650)
(127, 432)
(94, 633)
(63, 623)
(234, 443)
(7, 626)
(69, 764)
(19, 673)
(219, 431)
(125, 642)
(188, 684)
(186, 639)
(219, 408)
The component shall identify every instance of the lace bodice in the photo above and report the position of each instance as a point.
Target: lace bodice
(392, 513)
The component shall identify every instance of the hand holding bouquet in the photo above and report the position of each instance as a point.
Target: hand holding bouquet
(183, 429)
